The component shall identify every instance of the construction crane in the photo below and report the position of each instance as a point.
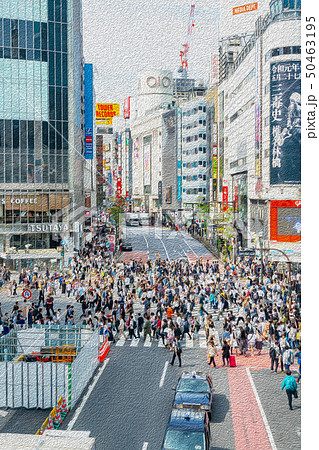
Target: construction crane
(184, 53)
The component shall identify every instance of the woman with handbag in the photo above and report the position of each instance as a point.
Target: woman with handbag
(212, 349)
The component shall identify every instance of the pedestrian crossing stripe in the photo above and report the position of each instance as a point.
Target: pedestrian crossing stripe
(147, 343)
(139, 342)
(189, 343)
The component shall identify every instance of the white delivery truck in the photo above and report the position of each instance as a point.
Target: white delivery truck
(132, 220)
(50, 440)
(144, 218)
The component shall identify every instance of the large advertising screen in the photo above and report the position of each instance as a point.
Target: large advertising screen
(285, 220)
(285, 123)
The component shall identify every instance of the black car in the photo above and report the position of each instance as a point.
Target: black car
(126, 247)
(194, 391)
(187, 430)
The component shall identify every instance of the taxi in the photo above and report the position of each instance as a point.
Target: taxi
(194, 391)
(187, 430)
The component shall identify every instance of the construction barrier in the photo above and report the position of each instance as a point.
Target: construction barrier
(56, 416)
(105, 348)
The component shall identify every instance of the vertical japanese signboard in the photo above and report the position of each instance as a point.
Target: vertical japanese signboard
(285, 122)
(119, 188)
(225, 195)
(214, 161)
(147, 159)
(127, 108)
(257, 113)
(88, 110)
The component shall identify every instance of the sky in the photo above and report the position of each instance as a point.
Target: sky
(124, 37)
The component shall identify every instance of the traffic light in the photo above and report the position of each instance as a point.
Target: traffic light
(62, 252)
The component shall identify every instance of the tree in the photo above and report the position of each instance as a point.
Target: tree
(228, 231)
(118, 207)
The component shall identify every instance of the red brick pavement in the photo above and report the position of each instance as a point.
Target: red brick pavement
(136, 256)
(249, 429)
(256, 362)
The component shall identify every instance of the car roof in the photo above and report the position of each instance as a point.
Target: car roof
(194, 376)
(187, 419)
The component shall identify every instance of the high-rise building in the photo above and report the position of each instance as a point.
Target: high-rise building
(259, 134)
(41, 125)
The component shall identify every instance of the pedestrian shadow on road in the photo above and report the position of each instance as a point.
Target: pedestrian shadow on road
(220, 408)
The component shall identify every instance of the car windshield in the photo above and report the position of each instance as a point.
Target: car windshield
(196, 386)
(184, 440)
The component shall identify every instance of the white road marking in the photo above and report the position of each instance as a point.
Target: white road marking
(121, 342)
(163, 374)
(190, 246)
(135, 343)
(202, 342)
(145, 445)
(3, 413)
(160, 343)
(87, 395)
(147, 343)
(165, 248)
(145, 241)
(261, 409)
(189, 343)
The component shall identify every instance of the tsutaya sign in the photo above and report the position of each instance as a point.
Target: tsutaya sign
(49, 227)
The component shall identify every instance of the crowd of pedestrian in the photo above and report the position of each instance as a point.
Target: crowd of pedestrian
(178, 299)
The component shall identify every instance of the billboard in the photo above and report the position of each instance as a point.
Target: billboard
(108, 121)
(127, 108)
(285, 122)
(257, 113)
(245, 8)
(106, 110)
(88, 111)
(285, 220)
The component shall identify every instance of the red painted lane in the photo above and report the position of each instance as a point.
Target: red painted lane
(136, 256)
(249, 429)
(193, 258)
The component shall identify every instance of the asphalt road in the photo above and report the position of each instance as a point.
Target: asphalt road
(164, 243)
(128, 409)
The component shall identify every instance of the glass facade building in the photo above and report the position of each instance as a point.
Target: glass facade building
(41, 122)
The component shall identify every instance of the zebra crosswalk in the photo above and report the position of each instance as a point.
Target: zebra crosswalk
(186, 343)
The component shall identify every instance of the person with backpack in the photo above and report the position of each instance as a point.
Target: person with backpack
(290, 385)
(49, 305)
(131, 325)
(177, 351)
(287, 357)
(274, 353)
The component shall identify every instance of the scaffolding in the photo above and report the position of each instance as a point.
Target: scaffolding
(45, 343)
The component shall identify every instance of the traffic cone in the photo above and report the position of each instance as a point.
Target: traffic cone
(64, 408)
(57, 418)
(50, 423)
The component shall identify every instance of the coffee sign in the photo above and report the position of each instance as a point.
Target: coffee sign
(21, 200)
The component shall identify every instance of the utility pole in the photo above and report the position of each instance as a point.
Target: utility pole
(262, 256)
